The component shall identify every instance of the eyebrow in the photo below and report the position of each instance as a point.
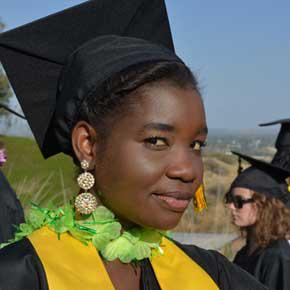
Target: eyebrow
(203, 131)
(159, 127)
(170, 128)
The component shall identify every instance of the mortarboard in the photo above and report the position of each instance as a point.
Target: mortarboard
(283, 138)
(263, 177)
(109, 35)
(282, 144)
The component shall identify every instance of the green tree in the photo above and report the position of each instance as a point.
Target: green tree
(1, 25)
(5, 89)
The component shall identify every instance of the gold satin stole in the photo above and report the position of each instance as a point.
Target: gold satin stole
(71, 265)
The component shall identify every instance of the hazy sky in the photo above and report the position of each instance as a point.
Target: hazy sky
(240, 51)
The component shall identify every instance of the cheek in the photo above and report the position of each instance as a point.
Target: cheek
(131, 169)
(136, 166)
(253, 215)
(248, 216)
(199, 167)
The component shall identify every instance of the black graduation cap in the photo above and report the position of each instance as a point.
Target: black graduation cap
(34, 55)
(282, 144)
(283, 138)
(263, 177)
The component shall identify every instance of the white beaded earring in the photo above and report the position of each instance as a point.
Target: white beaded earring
(86, 202)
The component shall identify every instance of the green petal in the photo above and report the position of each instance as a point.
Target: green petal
(152, 237)
(68, 217)
(84, 237)
(58, 227)
(101, 240)
(121, 249)
(105, 234)
(3, 245)
(36, 218)
(131, 237)
(101, 213)
(23, 231)
(142, 250)
(113, 229)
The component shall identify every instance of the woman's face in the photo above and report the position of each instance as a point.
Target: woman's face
(247, 215)
(152, 163)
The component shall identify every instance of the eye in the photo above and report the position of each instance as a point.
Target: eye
(198, 145)
(156, 142)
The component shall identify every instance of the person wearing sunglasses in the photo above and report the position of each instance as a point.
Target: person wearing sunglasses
(258, 200)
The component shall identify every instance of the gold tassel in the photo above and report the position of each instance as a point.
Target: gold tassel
(288, 182)
(199, 201)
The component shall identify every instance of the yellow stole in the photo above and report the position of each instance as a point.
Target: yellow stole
(70, 265)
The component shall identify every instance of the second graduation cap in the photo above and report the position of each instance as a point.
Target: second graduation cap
(264, 178)
(282, 144)
(34, 55)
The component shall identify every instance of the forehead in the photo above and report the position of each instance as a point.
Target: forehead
(241, 191)
(168, 104)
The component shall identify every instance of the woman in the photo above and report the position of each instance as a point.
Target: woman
(256, 200)
(130, 114)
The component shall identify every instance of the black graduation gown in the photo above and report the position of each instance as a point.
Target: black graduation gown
(11, 212)
(21, 268)
(271, 265)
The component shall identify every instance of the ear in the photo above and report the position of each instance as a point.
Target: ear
(84, 138)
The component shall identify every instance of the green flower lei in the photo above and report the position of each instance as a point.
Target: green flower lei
(100, 228)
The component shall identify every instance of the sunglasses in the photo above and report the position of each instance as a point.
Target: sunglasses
(237, 200)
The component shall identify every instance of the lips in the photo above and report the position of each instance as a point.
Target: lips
(175, 200)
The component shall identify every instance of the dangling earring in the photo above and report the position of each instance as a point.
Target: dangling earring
(199, 201)
(85, 203)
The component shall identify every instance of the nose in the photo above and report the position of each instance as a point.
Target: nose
(186, 166)
(230, 206)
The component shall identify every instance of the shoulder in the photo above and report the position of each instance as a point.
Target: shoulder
(242, 252)
(207, 259)
(225, 274)
(278, 251)
(20, 267)
(275, 257)
(274, 265)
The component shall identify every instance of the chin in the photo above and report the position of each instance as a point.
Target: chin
(166, 223)
(237, 224)
(242, 225)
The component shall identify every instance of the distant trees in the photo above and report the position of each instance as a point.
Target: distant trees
(1, 25)
(5, 89)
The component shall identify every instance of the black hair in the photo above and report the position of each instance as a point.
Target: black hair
(111, 100)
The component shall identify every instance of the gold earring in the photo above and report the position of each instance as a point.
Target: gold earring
(85, 203)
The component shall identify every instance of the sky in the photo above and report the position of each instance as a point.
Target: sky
(239, 51)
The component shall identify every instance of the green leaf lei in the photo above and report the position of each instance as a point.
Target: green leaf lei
(100, 228)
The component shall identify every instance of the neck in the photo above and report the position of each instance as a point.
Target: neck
(125, 223)
(251, 240)
(124, 276)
